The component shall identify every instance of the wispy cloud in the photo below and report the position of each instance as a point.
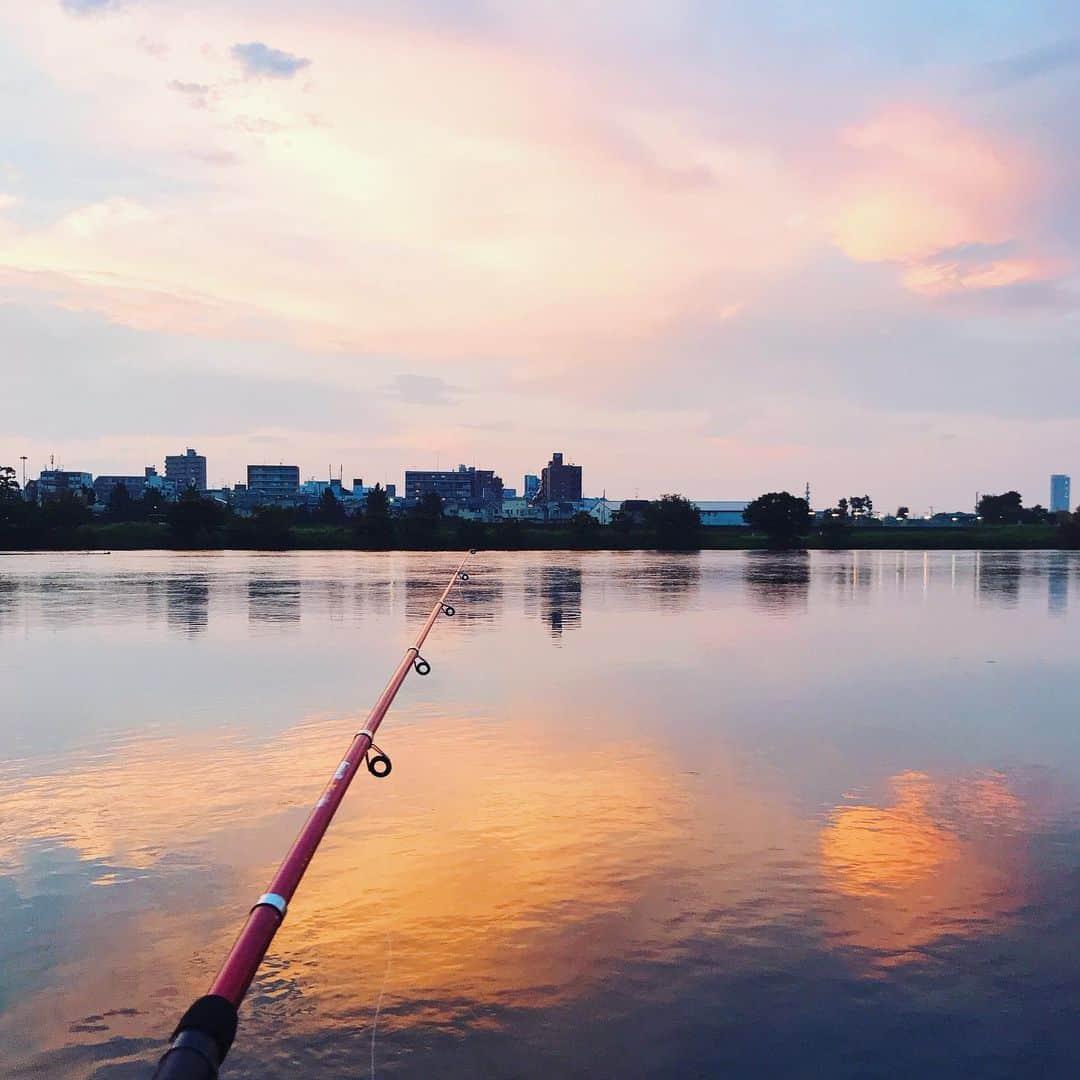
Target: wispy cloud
(260, 60)
(196, 93)
(423, 390)
(91, 7)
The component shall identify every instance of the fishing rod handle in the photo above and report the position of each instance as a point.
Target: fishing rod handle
(200, 1042)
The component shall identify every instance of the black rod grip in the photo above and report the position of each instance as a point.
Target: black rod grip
(200, 1042)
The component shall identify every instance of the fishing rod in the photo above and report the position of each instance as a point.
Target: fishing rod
(206, 1031)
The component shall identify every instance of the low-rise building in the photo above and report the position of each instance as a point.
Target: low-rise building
(725, 513)
(52, 483)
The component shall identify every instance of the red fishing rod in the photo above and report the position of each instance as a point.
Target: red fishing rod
(206, 1031)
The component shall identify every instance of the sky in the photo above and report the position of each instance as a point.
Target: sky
(699, 247)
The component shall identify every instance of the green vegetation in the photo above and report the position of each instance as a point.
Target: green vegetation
(782, 517)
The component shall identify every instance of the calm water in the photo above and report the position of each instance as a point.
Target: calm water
(725, 814)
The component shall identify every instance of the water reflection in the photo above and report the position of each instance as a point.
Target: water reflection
(854, 571)
(1057, 583)
(273, 600)
(556, 594)
(938, 861)
(778, 583)
(629, 855)
(998, 576)
(188, 603)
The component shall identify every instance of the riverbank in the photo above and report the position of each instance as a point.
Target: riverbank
(453, 535)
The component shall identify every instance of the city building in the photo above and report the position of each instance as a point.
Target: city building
(273, 482)
(136, 486)
(509, 493)
(105, 485)
(725, 512)
(559, 482)
(1059, 493)
(532, 486)
(186, 470)
(52, 483)
(466, 486)
(517, 509)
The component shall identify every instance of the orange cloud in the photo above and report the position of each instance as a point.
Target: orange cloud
(909, 873)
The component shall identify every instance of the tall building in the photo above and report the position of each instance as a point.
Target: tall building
(273, 481)
(560, 482)
(1059, 493)
(186, 470)
(532, 486)
(466, 484)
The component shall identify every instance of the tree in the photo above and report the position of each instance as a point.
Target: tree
(903, 513)
(271, 526)
(622, 522)
(15, 511)
(373, 528)
(430, 507)
(470, 534)
(67, 511)
(675, 522)
(195, 520)
(1069, 530)
(421, 524)
(377, 504)
(1005, 509)
(861, 506)
(781, 516)
(9, 486)
(584, 529)
(330, 510)
(152, 503)
(121, 506)
(509, 535)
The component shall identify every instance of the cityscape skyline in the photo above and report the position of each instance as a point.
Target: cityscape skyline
(768, 245)
(270, 477)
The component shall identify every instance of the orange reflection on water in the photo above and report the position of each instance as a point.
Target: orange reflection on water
(499, 863)
(935, 862)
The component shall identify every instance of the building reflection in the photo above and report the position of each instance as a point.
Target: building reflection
(997, 576)
(273, 600)
(9, 597)
(777, 582)
(854, 573)
(554, 593)
(938, 861)
(187, 603)
(1057, 583)
(480, 597)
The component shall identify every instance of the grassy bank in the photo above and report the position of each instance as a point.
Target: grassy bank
(453, 535)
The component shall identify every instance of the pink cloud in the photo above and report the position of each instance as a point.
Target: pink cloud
(921, 185)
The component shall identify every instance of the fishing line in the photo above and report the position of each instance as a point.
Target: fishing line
(378, 1004)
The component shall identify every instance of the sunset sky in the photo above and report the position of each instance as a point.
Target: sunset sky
(714, 248)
